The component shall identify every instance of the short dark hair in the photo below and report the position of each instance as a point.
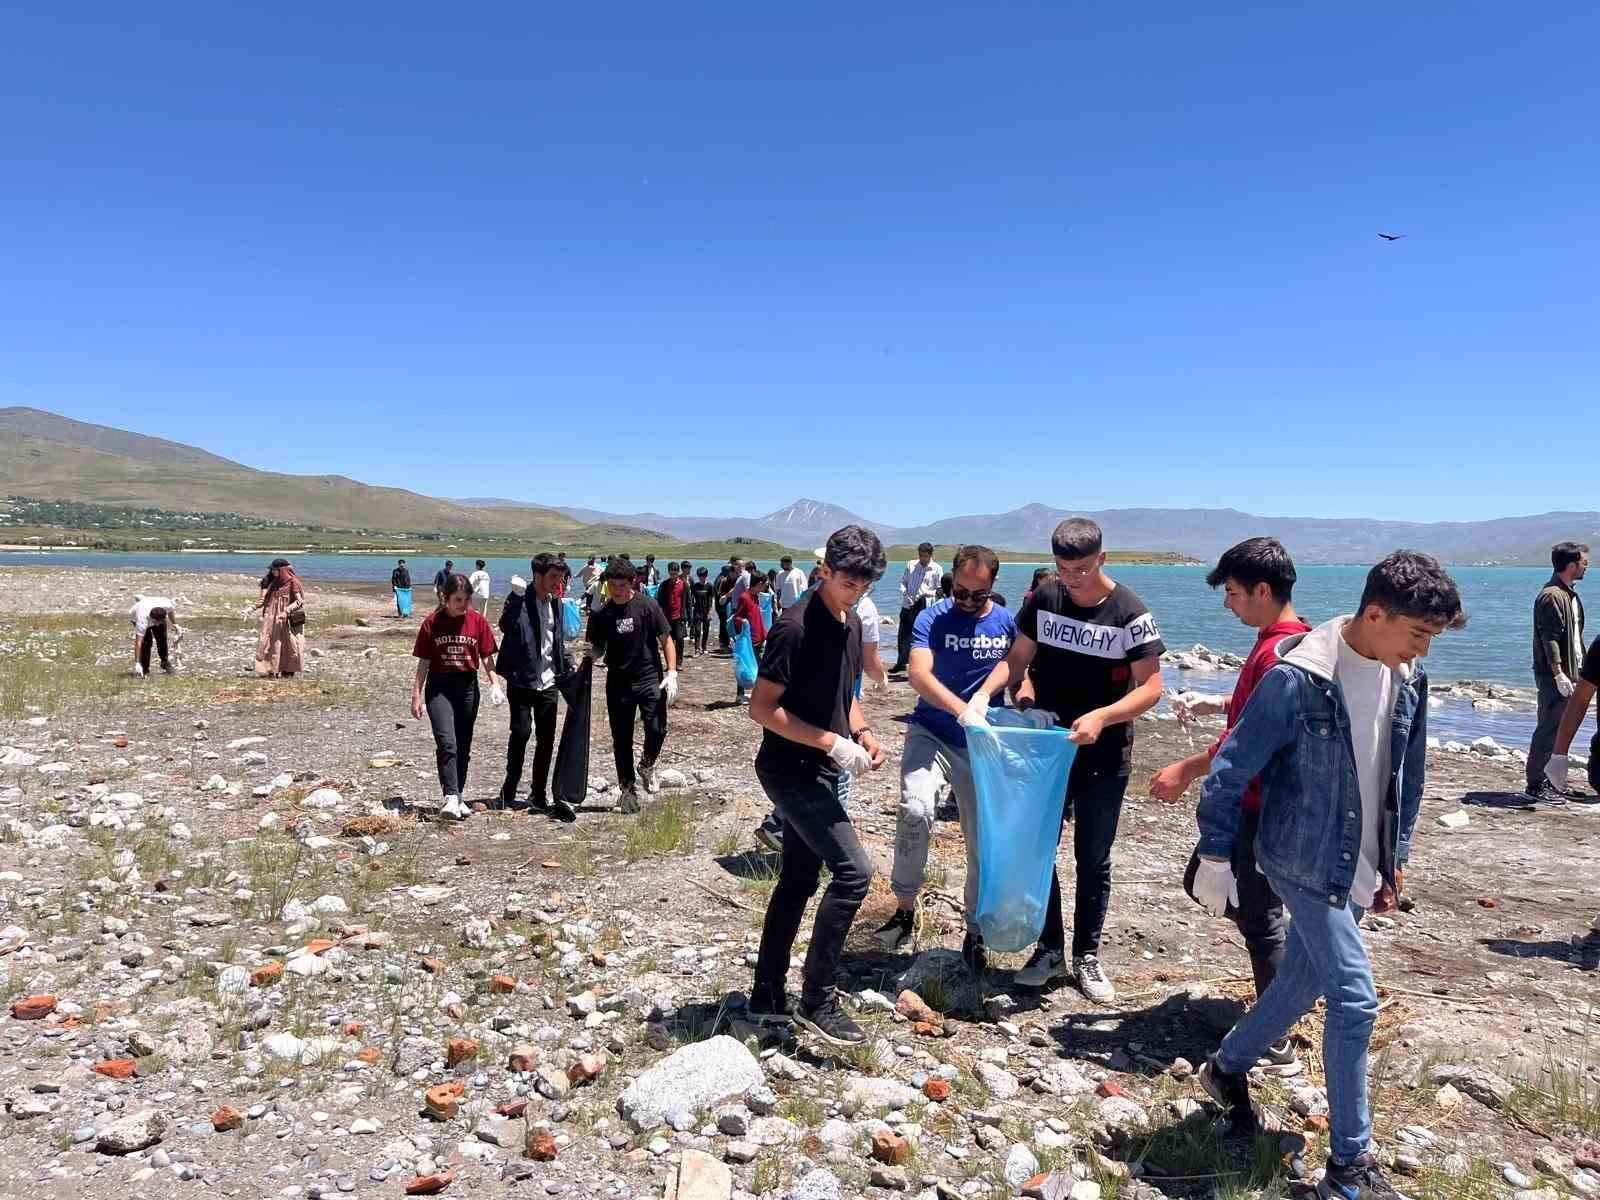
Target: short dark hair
(1040, 574)
(1256, 560)
(980, 556)
(1411, 584)
(449, 562)
(649, 558)
(786, 560)
(620, 568)
(1076, 537)
(687, 566)
(702, 571)
(480, 564)
(855, 550)
(925, 548)
(673, 568)
(541, 563)
(402, 562)
(1564, 554)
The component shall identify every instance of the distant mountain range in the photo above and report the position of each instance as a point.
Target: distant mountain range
(47, 456)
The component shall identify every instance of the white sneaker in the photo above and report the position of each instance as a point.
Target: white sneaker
(1091, 979)
(136, 669)
(454, 809)
(1044, 966)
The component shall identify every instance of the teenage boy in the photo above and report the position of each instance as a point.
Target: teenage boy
(1337, 734)
(153, 618)
(749, 612)
(1557, 651)
(815, 738)
(725, 580)
(533, 657)
(632, 634)
(1588, 683)
(919, 587)
(954, 646)
(480, 581)
(442, 580)
(674, 601)
(1257, 579)
(700, 599)
(791, 582)
(652, 573)
(1088, 651)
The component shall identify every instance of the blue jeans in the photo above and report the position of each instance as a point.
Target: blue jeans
(1324, 957)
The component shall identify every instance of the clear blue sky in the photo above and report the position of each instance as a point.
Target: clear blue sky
(916, 259)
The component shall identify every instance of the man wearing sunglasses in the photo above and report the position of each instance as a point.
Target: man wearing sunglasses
(1091, 653)
(954, 646)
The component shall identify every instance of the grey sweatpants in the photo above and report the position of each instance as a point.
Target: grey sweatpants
(930, 766)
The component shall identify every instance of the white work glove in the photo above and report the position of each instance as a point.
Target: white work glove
(669, 685)
(136, 669)
(1556, 771)
(497, 693)
(976, 713)
(852, 759)
(518, 584)
(1564, 685)
(1039, 718)
(1215, 887)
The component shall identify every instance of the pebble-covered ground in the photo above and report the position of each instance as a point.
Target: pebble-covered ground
(240, 958)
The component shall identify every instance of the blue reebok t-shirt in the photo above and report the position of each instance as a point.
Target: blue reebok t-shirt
(965, 649)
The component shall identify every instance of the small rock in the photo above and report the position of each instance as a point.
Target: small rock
(135, 1132)
(225, 1118)
(890, 1147)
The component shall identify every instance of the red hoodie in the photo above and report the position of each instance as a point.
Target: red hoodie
(750, 611)
(1262, 656)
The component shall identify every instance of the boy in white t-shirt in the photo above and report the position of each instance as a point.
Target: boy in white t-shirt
(479, 580)
(153, 618)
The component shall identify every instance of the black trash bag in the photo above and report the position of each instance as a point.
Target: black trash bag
(571, 783)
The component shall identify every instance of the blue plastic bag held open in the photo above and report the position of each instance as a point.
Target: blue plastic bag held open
(1020, 777)
(744, 658)
(571, 619)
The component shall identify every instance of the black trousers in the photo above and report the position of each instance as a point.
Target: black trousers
(816, 832)
(452, 702)
(532, 711)
(700, 629)
(680, 634)
(155, 635)
(623, 703)
(908, 621)
(1260, 919)
(1094, 806)
(724, 630)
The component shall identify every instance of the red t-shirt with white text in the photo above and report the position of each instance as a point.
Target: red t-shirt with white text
(454, 643)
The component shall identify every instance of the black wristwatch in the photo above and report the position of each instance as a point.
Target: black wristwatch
(857, 734)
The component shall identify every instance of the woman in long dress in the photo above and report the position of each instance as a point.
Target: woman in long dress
(280, 650)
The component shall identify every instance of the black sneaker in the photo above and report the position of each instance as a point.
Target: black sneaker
(974, 955)
(539, 803)
(1280, 1060)
(895, 933)
(1545, 792)
(560, 810)
(769, 1006)
(1361, 1180)
(830, 1023)
(628, 801)
(770, 833)
(1233, 1093)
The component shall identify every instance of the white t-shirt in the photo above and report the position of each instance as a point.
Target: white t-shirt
(547, 650)
(1368, 688)
(870, 624)
(480, 584)
(139, 614)
(790, 584)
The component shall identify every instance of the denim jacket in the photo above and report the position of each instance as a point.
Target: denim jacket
(1295, 735)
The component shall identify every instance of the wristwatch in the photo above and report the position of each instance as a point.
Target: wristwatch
(857, 734)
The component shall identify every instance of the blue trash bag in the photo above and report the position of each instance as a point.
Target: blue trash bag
(402, 601)
(765, 600)
(1020, 777)
(652, 590)
(744, 658)
(571, 619)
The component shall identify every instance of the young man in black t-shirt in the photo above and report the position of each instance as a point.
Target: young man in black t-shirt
(630, 630)
(815, 738)
(1091, 655)
(700, 597)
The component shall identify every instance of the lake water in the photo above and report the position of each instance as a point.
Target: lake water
(1495, 645)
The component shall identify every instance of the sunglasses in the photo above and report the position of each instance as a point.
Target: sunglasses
(962, 596)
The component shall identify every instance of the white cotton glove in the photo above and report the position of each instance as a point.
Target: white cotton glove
(976, 713)
(1564, 685)
(497, 693)
(518, 584)
(852, 759)
(136, 669)
(1556, 771)
(669, 685)
(1039, 718)
(1215, 887)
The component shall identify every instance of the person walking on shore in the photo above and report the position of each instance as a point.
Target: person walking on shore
(155, 624)
(587, 575)
(791, 582)
(400, 585)
(280, 646)
(1572, 718)
(701, 598)
(725, 581)
(1337, 817)
(750, 612)
(1257, 578)
(1557, 651)
(442, 579)
(673, 597)
(481, 588)
(1095, 658)
(631, 633)
(955, 644)
(452, 643)
(532, 659)
(815, 737)
(651, 573)
(919, 587)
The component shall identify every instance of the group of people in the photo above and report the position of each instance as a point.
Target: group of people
(280, 644)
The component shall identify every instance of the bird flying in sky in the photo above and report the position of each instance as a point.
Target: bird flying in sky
(1391, 237)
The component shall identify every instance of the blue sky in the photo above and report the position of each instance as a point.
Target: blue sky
(919, 260)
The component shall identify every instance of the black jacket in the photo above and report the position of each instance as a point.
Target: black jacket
(518, 660)
(400, 578)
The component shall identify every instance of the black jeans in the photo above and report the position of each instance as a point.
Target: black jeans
(724, 633)
(452, 702)
(701, 630)
(156, 635)
(1551, 705)
(1260, 915)
(680, 634)
(532, 711)
(1094, 805)
(908, 621)
(622, 703)
(816, 830)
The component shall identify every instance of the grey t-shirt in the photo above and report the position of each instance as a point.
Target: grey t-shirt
(1368, 688)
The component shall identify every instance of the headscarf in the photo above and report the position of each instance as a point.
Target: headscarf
(281, 574)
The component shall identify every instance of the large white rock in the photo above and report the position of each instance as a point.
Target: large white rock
(868, 1094)
(132, 1133)
(322, 798)
(697, 1076)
